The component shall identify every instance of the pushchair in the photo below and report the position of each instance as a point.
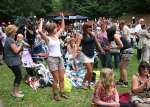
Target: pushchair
(42, 76)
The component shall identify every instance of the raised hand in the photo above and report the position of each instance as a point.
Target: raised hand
(41, 20)
(62, 15)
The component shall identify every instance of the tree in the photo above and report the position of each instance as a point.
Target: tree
(92, 8)
(9, 8)
(56, 5)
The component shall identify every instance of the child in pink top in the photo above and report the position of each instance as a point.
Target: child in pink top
(105, 94)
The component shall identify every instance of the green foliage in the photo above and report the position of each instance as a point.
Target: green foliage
(91, 8)
(9, 8)
(56, 5)
(84, 7)
(148, 2)
(114, 8)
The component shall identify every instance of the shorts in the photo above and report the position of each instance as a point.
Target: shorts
(86, 59)
(55, 63)
(127, 54)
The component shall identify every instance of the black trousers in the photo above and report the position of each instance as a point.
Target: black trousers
(139, 52)
(17, 72)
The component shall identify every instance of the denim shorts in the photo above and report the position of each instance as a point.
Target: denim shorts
(55, 63)
(127, 54)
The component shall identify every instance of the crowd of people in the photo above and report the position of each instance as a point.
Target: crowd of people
(84, 42)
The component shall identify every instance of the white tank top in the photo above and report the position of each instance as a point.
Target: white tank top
(54, 48)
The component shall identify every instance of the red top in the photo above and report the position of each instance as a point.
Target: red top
(100, 94)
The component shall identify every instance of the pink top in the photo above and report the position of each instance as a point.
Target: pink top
(100, 94)
(101, 35)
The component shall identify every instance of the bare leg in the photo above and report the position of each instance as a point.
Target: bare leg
(61, 84)
(55, 84)
(61, 80)
(88, 75)
(123, 72)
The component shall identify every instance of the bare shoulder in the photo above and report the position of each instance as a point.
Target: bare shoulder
(98, 84)
(93, 34)
(134, 77)
(57, 35)
(117, 36)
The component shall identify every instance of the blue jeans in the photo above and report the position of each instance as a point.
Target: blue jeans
(106, 60)
(116, 59)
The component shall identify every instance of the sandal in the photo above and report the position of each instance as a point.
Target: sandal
(64, 96)
(85, 85)
(56, 97)
(20, 92)
(18, 95)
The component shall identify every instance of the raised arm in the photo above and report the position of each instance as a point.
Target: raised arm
(40, 30)
(62, 26)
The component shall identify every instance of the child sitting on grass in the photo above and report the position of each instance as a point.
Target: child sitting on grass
(105, 93)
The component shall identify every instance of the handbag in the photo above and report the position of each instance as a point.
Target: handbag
(113, 44)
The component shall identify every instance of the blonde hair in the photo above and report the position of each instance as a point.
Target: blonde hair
(50, 27)
(71, 40)
(20, 36)
(106, 78)
(10, 29)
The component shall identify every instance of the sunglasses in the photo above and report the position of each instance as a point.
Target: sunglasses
(145, 68)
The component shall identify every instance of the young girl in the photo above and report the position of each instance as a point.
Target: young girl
(72, 53)
(105, 94)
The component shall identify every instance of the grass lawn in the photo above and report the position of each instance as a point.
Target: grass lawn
(43, 97)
